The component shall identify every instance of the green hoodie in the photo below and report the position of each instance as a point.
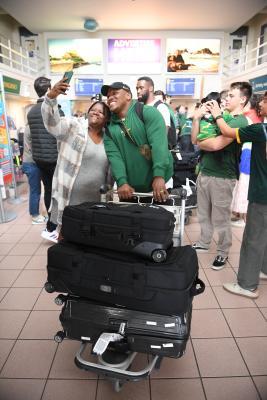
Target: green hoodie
(128, 165)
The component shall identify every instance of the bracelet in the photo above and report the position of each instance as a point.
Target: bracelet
(218, 117)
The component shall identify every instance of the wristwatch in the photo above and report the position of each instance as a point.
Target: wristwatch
(218, 117)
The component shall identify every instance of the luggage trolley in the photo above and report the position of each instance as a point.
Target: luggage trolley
(112, 348)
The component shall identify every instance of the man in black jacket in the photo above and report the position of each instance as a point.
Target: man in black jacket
(44, 151)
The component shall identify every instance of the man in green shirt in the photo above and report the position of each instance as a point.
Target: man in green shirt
(218, 174)
(253, 253)
(137, 150)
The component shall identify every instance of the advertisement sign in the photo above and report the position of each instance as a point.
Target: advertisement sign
(4, 146)
(193, 55)
(84, 56)
(138, 56)
(11, 85)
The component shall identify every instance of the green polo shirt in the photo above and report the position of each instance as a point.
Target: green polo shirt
(257, 134)
(224, 163)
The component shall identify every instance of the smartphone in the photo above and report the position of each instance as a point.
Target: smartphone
(68, 75)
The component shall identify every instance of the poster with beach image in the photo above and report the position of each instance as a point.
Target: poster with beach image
(193, 55)
(84, 56)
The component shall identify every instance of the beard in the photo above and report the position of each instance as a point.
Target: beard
(144, 97)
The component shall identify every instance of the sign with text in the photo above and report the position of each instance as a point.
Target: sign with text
(88, 87)
(180, 86)
(4, 142)
(259, 84)
(11, 85)
(138, 56)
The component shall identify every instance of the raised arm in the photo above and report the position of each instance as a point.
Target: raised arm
(225, 129)
(198, 114)
(54, 124)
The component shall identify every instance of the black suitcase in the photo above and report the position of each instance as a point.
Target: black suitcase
(141, 332)
(146, 230)
(125, 279)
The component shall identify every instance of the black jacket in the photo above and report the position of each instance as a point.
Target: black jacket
(44, 145)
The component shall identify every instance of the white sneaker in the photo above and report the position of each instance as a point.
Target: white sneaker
(52, 236)
(263, 275)
(39, 219)
(240, 223)
(236, 289)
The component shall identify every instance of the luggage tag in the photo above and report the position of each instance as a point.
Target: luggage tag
(103, 341)
(187, 188)
(178, 155)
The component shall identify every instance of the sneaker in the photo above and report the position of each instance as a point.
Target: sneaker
(199, 248)
(39, 219)
(52, 236)
(236, 289)
(263, 276)
(219, 262)
(240, 223)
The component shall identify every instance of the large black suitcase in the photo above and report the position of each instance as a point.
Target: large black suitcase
(125, 280)
(146, 230)
(141, 332)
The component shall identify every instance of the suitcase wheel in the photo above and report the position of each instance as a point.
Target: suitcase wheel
(60, 299)
(159, 255)
(49, 287)
(59, 336)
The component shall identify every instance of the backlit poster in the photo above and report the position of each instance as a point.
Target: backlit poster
(193, 55)
(84, 56)
(134, 56)
(4, 146)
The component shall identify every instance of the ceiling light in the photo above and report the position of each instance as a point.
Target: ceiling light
(90, 25)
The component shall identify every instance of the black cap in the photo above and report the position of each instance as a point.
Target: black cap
(115, 85)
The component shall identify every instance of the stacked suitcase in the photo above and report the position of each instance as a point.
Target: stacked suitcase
(127, 289)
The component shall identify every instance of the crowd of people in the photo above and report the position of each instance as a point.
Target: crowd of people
(128, 142)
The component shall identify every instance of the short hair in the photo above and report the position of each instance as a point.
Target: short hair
(212, 96)
(147, 79)
(106, 110)
(223, 94)
(160, 93)
(245, 89)
(41, 85)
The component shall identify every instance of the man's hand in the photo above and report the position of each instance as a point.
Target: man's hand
(125, 191)
(59, 88)
(160, 192)
(214, 108)
(200, 111)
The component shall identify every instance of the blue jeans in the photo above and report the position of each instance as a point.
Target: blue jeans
(34, 179)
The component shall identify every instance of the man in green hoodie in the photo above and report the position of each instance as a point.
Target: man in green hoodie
(136, 147)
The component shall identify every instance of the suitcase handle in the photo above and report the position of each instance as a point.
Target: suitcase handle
(112, 231)
(198, 287)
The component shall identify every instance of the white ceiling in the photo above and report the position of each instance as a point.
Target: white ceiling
(65, 15)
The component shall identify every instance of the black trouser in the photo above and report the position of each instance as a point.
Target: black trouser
(47, 171)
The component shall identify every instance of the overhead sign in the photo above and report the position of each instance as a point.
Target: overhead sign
(136, 56)
(180, 86)
(88, 87)
(11, 85)
(259, 84)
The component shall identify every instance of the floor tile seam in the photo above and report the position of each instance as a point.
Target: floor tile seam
(256, 387)
(198, 368)
(243, 308)
(49, 371)
(9, 353)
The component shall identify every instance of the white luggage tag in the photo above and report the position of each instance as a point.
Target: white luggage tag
(103, 341)
(187, 187)
(178, 155)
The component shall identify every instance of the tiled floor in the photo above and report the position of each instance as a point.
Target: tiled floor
(226, 357)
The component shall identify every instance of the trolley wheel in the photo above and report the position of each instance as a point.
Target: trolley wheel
(59, 336)
(60, 300)
(118, 385)
(159, 255)
(49, 287)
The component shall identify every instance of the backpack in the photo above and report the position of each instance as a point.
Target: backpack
(172, 141)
